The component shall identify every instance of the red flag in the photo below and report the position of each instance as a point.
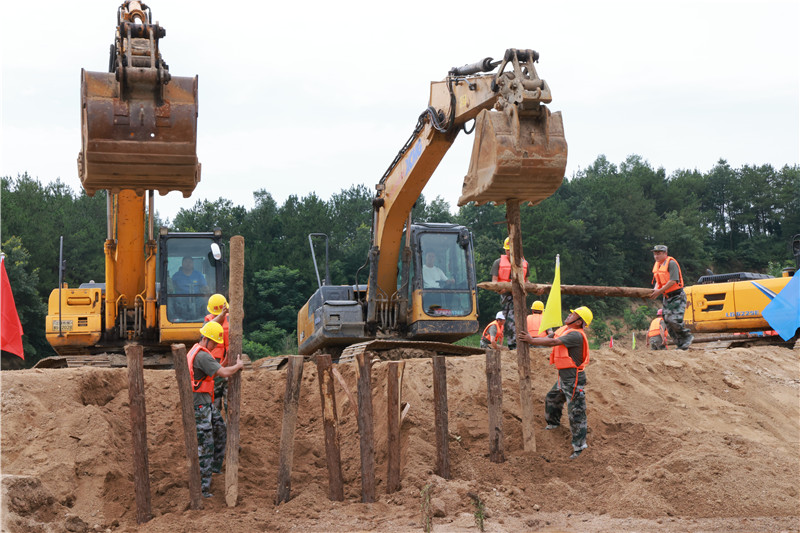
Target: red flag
(10, 326)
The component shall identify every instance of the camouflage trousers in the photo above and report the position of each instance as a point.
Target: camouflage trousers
(221, 394)
(509, 331)
(211, 437)
(674, 309)
(657, 343)
(575, 397)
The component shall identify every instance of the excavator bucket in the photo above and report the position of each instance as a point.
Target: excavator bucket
(138, 123)
(150, 146)
(515, 156)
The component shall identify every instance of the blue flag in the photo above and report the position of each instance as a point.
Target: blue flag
(783, 312)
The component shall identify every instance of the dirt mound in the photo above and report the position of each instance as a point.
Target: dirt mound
(704, 440)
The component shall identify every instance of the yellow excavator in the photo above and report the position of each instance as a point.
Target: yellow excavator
(421, 286)
(733, 303)
(138, 135)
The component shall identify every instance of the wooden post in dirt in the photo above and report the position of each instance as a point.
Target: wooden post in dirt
(365, 426)
(141, 468)
(189, 426)
(291, 399)
(235, 314)
(494, 385)
(330, 424)
(440, 416)
(520, 320)
(394, 387)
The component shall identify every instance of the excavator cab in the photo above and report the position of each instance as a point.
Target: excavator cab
(138, 122)
(442, 292)
(191, 267)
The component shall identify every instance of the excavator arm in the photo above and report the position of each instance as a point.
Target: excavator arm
(519, 150)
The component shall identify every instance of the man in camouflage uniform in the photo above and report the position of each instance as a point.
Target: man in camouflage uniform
(570, 355)
(211, 430)
(501, 271)
(668, 283)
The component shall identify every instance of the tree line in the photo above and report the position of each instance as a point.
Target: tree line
(602, 221)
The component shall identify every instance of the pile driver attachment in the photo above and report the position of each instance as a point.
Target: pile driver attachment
(519, 151)
(138, 123)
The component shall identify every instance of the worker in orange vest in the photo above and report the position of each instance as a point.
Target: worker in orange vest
(668, 283)
(535, 319)
(218, 312)
(501, 271)
(493, 333)
(657, 335)
(570, 355)
(211, 430)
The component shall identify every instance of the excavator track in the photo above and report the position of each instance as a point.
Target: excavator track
(114, 360)
(385, 350)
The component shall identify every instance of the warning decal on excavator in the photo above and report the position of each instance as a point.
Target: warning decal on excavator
(411, 160)
(66, 325)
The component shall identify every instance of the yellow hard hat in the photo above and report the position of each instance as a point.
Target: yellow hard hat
(537, 306)
(506, 244)
(213, 331)
(585, 313)
(216, 303)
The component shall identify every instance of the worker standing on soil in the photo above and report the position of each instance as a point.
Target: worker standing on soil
(501, 271)
(657, 334)
(493, 334)
(211, 430)
(535, 319)
(218, 312)
(570, 355)
(668, 283)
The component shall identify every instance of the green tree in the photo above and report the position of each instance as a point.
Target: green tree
(207, 215)
(280, 292)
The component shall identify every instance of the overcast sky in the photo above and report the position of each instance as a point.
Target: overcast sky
(302, 97)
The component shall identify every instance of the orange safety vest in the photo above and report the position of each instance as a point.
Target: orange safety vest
(657, 329)
(504, 272)
(499, 338)
(534, 322)
(560, 355)
(206, 384)
(661, 275)
(220, 350)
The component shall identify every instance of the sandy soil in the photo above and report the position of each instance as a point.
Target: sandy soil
(703, 440)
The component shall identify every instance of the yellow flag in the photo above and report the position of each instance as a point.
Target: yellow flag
(551, 316)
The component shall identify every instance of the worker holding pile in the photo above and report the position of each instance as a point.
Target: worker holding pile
(570, 355)
(657, 334)
(535, 319)
(668, 283)
(501, 271)
(218, 312)
(211, 430)
(493, 333)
